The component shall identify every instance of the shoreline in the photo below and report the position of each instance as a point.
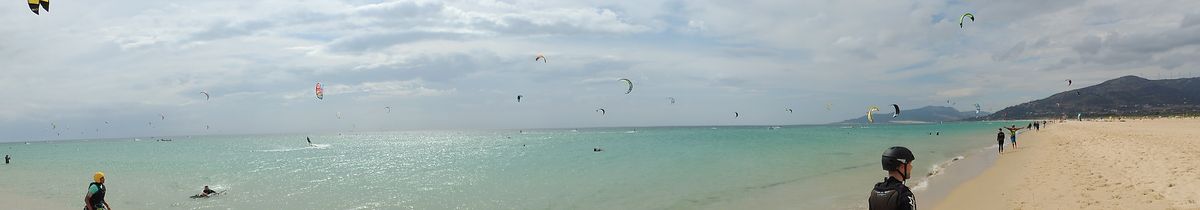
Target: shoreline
(1137, 164)
(934, 189)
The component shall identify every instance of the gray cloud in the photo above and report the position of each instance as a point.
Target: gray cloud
(1011, 53)
(1140, 48)
(1155, 42)
(382, 40)
(230, 29)
(1090, 45)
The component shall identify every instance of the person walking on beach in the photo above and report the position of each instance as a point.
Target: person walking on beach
(892, 194)
(1012, 135)
(1000, 139)
(95, 196)
(1037, 126)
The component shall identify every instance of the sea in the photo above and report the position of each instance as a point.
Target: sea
(697, 167)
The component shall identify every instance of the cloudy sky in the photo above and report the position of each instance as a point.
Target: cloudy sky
(460, 64)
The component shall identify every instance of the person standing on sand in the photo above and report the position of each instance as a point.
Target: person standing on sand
(95, 196)
(892, 194)
(1000, 139)
(1012, 135)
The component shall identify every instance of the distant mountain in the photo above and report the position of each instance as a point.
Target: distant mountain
(928, 114)
(1124, 96)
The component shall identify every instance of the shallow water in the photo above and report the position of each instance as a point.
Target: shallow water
(653, 168)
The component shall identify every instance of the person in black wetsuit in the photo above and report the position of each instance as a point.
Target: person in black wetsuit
(892, 194)
(1000, 139)
(94, 200)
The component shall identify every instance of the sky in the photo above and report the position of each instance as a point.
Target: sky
(140, 66)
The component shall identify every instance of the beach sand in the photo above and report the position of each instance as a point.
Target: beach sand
(1138, 164)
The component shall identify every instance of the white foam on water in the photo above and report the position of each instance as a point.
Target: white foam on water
(935, 170)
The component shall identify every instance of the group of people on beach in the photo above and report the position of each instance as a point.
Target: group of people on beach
(892, 194)
(1012, 133)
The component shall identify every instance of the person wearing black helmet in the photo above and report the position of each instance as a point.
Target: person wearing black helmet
(892, 193)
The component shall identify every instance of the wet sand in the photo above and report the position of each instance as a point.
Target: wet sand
(1138, 164)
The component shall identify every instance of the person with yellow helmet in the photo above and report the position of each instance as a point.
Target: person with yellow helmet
(95, 196)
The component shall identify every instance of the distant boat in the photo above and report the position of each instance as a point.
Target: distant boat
(164, 139)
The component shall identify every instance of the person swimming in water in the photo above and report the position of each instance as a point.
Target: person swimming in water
(207, 192)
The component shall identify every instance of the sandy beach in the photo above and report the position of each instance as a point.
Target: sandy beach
(1138, 164)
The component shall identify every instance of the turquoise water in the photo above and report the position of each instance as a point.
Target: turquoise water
(640, 168)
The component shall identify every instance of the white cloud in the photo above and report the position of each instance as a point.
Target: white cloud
(368, 90)
(696, 26)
